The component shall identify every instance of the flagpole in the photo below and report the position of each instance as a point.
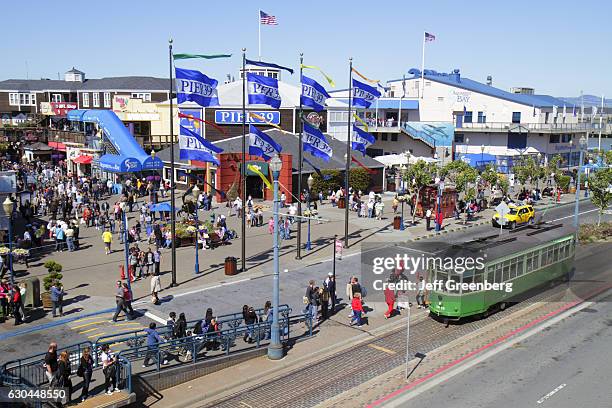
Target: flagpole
(600, 124)
(399, 114)
(172, 186)
(243, 164)
(423, 67)
(348, 158)
(259, 31)
(300, 167)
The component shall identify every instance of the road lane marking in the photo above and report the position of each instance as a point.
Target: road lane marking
(87, 324)
(156, 318)
(244, 404)
(95, 336)
(550, 394)
(383, 349)
(88, 330)
(572, 216)
(127, 324)
(87, 318)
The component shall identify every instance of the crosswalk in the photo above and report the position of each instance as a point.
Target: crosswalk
(101, 325)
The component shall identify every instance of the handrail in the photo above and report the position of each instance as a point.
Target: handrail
(137, 337)
(30, 369)
(418, 134)
(191, 346)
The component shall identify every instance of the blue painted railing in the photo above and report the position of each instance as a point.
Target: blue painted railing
(418, 134)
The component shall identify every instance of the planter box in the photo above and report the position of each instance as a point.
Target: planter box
(46, 300)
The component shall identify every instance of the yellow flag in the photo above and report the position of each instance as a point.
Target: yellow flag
(327, 77)
(358, 119)
(372, 81)
(259, 117)
(255, 169)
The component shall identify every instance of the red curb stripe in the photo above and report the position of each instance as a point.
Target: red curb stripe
(486, 346)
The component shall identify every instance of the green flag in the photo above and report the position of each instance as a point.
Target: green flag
(189, 56)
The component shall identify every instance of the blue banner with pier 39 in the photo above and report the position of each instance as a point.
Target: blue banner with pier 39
(234, 117)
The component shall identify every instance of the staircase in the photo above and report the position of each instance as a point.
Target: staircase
(418, 135)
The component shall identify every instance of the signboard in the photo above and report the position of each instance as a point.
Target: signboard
(8, 182)
(502, 209)
(234, 117)
(120, 102)
(192, 124)
(57, 108)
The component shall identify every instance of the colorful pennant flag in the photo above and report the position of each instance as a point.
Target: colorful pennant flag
(194, 86)
(363, 94)
(194, 147)
(327, 77)
(261, 144)
(264, 120)
(263, 90)
(204, 56)
(255, 169)
(358, 119)
(313, 94)
(268, 65)
(372, 81)
(187, 116)
(369, 170)
(314, 142)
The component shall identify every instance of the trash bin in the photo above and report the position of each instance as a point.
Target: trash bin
(32, 295)
(341, 202)
(231, 266)
(397, 222)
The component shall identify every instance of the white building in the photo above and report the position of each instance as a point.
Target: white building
(491, 123)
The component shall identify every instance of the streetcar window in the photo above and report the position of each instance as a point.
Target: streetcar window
(536, 260)
(513, 268)
(530, 260)
(468, 278)
(556, 253)
(498, 273)
(491, 273)
(506, 271)
(519, 267)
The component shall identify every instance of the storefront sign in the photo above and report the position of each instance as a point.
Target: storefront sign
(234, 117)
(120, 102)
(56, 108)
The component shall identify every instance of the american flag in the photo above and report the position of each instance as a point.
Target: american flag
(429, 37)
(267, 19)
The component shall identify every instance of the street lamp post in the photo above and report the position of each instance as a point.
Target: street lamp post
(310, 181)
(482, 149)
(195, 194)
(582, 144)
(275, 349)
(8, 210)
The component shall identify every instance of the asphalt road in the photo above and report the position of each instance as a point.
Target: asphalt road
(566, 365)
(229, 297)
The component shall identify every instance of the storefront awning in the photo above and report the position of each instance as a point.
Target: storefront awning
(119, 164)
(75, 115)
(83, 159)
(57, 146)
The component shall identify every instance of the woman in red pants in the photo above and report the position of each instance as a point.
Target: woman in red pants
(390, 300)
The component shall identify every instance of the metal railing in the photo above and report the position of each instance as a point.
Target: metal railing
(30, 371)
(553, 127)
(124, 374)
(136, 338)
(193, 348)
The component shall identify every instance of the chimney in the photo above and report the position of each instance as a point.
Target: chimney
(456, 75)
(489, 80)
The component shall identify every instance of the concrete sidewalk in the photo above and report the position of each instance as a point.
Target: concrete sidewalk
(89, 275)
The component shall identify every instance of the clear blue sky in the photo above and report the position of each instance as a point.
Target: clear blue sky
(558, 47)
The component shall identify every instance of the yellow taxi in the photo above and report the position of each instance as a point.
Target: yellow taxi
(518, 214)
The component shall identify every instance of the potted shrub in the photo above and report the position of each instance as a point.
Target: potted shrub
(54, 275)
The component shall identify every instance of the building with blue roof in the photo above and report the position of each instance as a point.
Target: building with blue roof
(489, 121)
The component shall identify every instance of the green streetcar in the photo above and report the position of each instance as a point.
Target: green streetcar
(527, 258)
